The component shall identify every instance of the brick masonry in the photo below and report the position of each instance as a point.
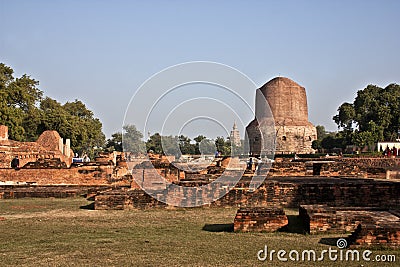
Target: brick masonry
(48, 146)
(369, 226)
(288, 192)
(259, 219)
(287, 102)
(42, 191)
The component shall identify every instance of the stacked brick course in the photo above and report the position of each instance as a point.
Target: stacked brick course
(293, 192)
(259, 219)
(48, 146)
(385, 234)
(370, 226)
(60, 191)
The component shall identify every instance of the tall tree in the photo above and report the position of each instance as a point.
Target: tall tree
(132, 140)
(373, 116)
(185, 146)
(154, 144)
(19, 98)
(115, 142)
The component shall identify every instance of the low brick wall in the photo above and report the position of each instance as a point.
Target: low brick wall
(287, 192)
(385, 234)
(259, 219)
(61, 191)
(125, 199)
(370, 226)
(84, 174)
(335, 166)
(393, 174)
(325, 219)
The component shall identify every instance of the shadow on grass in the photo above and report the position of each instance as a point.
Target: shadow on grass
(88, 206)
(295, 225)
(222, 227)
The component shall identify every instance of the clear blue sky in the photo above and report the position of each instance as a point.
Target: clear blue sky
(101, 51)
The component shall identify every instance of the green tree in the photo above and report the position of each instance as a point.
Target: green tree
(223, 146)
(198, 140)
(115, 142)
(18, 104)
(27, 114)
(345, 117)
(185, 146)
(206, 146)
(74, 121)
(373, 116)
(321, 132)
(132, 140)
(154, 144)
(170, 146)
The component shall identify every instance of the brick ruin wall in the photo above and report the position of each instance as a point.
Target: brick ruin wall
(278, 188)
(295, 139)
(48, 146)
(349, 167)
(259, 219)
(284, 192)
(369, 226)
(58, 191)
(78, 174)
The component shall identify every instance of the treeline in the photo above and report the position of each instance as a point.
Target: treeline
(373, 116)
(130, 140)
(27, 113)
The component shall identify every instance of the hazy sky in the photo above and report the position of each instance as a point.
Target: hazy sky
(101, 51)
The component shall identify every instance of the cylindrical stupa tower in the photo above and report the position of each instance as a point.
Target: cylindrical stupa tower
(287, 102)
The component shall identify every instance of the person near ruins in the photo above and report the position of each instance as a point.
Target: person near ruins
(86, 158)
(15, 163)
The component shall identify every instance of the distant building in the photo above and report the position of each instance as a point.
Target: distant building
(235, 136)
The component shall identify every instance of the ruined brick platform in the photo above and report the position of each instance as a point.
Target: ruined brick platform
(369, 226)
(259, 219)
(288, 192)
(382, 234)
(122, 199)
(42, 191)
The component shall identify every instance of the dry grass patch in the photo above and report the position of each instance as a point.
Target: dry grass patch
(57, 232)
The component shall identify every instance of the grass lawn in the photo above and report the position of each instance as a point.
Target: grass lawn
(57, 232)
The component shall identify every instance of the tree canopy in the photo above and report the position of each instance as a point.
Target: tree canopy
(178, 145)
(373, 116)
(27, 114)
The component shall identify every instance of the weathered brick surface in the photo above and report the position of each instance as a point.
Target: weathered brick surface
(349, 167)
(125, 199)
(322, 218)
(49, 145)
(384, 234)
(293, 192)
(60, 191)
(370, 226)
(287, 104)
(259, 219)
(89, 175)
